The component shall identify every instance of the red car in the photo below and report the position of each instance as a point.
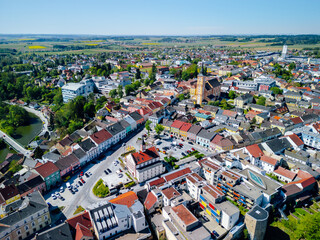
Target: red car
(81, 174)
(192, 149)
(181, 144)
(82, 180)
(171, 136)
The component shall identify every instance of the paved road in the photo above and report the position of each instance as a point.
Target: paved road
(84, 196)
(15, 144)
(41, 116)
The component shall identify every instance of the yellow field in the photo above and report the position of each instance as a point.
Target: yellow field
(92, 44)
(36, 47)
(150, 44)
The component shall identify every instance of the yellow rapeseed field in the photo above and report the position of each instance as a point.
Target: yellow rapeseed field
(36, 47)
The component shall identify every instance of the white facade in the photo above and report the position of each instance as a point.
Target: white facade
(267, 167)
(131, 121)
(72, 90)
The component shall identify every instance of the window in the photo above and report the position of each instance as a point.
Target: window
(33, 224)
(26, 227)
(18, 232)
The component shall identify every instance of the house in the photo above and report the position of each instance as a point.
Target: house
(293, 95)
(193, 132)
(184, 130)
(202, 117)
(131, 121)
(81, 225)
(194, 185)
(204, 138)
(64, 144)
(175, 127)
(32, 185)
(8, 195)
(284, 174)
(102, 139)
(169, 194)
(243, 100)
(137, 117)
(32, 216)
(167, 125)
(254, 152)
(268, 164)
(145, 164)
(59, 232)
(90, 148)
(221, 143)
(68, 165)
(117, 131)
(50, 173)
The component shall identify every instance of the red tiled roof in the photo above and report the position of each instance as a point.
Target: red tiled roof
(170, 193)
(157, 182)
(304, 182)
(254, 150)
(269, 160)
(47, 169)
(213, 191)
(82, 218)
(128, 199)
(185, 127)
(177, 124)
(296, 139)
(101, 136)
(302, 174)
(82, 231)
(150, 200)
(296, 120)
(184, 214)
(147, 155)
(177, 174)
(194, 178)
(286, 173)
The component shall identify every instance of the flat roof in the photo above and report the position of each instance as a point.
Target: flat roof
(258, 213)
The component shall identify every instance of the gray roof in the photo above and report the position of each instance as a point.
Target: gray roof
(87, 145)
(67, 161)
(136, 116)
(115, 129)
(79, 153)
(52, 156)
(195, 129)
(206, 134)
(258, 213)
(278, 145)
(60, 232)
(35, 203)
(124, 123)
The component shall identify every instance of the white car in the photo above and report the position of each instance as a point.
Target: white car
(57, 194)
(61, 189)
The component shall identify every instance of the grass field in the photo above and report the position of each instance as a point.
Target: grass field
(24, 45)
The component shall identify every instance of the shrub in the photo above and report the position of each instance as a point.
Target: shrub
(100, 189)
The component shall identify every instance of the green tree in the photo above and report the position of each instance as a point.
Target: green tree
(120, 91)
(89, 109)
(113, 93)
(38, 153)
(159, 129)
(147, 126)
(276, 90)
(232, 94)
(261, 101)
(181, 97)
(138, 74)
(74, 125)
(128, 89)
(292, 66)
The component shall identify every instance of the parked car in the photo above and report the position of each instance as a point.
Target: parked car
(80, 183)
(68, 185)
(105, 171)
(191, 143)
(87, 175)
(53, 196)
(192, 149)
(183, 154)
(120, 175)
(109, 171)
(57, 194)
(61, 189)
(215, 233)
(81, 174)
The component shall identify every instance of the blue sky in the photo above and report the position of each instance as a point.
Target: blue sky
(152, 17)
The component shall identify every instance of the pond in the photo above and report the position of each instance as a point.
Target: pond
(25, 134)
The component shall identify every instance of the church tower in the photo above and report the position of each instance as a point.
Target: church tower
(200, 88)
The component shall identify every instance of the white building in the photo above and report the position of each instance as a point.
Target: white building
(72, 90)
(118, 215)
(145, 164)
(268, 164)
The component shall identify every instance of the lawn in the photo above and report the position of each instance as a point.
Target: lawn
(100, 189)
(79, 210)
